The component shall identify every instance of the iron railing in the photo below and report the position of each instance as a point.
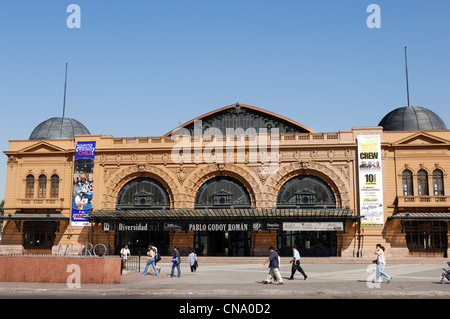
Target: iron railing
(132, 263)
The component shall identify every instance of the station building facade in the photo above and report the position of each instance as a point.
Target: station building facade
(233, 182)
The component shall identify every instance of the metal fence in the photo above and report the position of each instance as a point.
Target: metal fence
(132, 263)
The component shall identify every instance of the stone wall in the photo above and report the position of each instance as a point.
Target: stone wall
(49, 269)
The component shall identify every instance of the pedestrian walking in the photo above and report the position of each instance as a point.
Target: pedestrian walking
(124, 254)
(151, 261)
(176, 261)
(192, 261)
(157, 257)
(381, 262)
(296, 264)
(273, 267)
(279, 263)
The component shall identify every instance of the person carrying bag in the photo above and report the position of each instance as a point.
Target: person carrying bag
(176, 261)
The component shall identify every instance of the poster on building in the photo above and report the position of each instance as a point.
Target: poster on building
(83, 183)
(370, 180)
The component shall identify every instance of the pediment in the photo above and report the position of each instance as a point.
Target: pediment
(42, 147)
(240, 116)
(421, 138)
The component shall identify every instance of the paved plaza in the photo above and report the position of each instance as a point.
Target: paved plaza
(327, 278)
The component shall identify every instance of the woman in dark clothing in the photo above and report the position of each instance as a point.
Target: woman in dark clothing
(176, 261)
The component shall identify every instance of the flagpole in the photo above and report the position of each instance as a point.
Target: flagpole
(64, 104)
(407, 84)
(65, 85)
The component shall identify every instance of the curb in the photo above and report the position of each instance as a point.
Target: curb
(218, 293)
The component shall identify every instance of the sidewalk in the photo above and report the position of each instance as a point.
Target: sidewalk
(243, 278)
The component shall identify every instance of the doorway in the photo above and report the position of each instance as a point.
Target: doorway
(308, 243)
(39, 236)
(222, 243)
(138, 241)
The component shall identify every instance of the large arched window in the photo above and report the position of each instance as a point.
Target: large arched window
(438, 182)
(422, 183)
(42, 192)
(54, 188)
(306, 191)
(407, 183)
(29, 190)
(222, 192)
(143, 193)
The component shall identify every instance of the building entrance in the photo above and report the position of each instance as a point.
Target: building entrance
(222, 243)
(138, 241)
(308, 243)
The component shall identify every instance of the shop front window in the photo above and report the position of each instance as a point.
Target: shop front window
(426, 237)
(39, 235)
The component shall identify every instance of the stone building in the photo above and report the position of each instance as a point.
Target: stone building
(233, 182)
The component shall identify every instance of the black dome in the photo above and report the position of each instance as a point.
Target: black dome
(58, 128)
(412, 118)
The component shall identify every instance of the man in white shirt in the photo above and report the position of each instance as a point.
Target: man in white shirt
(124, 254)
(296, 263)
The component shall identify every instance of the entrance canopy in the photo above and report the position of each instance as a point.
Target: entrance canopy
(236, 215)
(421, 216)
(34, 217)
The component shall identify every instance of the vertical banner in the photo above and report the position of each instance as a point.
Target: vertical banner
(370, 179)
(83, 183)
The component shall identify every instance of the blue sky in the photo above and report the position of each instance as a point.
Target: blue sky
(138, 68)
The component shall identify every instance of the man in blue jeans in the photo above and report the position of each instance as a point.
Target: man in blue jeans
(381, 261)
(176, 261)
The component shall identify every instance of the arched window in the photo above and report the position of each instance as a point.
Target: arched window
(222, 192)
(42, 186)
(143, 193)
(54, 190)
(407, 182)
(422, 183)
(438, 182)
(29, 190)
(306, 191)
